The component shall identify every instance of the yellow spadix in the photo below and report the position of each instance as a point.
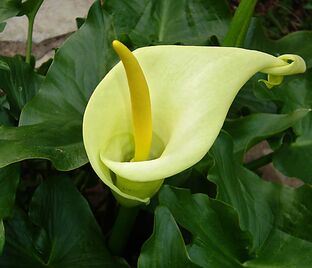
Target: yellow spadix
(140, 102)
(189, 92)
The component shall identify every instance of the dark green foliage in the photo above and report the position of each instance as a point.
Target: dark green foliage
(232, 219)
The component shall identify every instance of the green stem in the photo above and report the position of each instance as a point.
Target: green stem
(260, 162)
(29, 39)
(236, 35)
(121, 230)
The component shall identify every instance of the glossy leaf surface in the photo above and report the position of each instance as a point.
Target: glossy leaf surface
(169, 21)
(165, 248)
(20, 83)
(262, 206)
(60, 231)
(9, 8)
(249, 130)
(218, 240)
(9, 179)
(62, 98)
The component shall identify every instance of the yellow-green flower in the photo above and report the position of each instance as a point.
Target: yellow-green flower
(170, 118)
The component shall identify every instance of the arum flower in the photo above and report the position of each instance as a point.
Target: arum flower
(159, 110)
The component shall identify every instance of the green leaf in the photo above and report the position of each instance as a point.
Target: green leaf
(249, 130)
(73, 76)
(165, 248)
(4, 66)
(30, 8)
(262, 206)
(60, 231)
(9, 8)
(246, 100)
(57, 110)
(169, 21)
(282, 250)
(219, 242)
(60, 142)
(5, 118)
(9, 179)
(20, 83)
(293, 158)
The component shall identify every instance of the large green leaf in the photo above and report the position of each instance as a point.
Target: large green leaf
(262, 206)
(282, 250)
(170, 21)
(5, 118)
(78, 67)
(184, 21)
(9, 179)
(19, 82)
(214, 227)
(30, 8)
(55, 114)
(219, 242)
(165, 248)
(294, 157)
(249, 130)
(9, 8)
(60, 231)
(295, 160)
(60, 142)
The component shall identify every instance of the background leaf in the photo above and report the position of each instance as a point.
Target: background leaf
(169, 21)
(60, 231)
(218, 240)
(60, 142)
(249, 130)
(9, 179)
(185, 22)
(165, 248)
(56, 112)
(262, 206)
(282, 250)
(9, 8)
(30, 8)
(20, 83)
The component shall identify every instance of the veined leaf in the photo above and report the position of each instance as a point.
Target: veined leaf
(218, 242)
(60, 231)
(169, 21)
(56, 112)
(213, 225)
(20, 83)
(249, 130)
(262, 206)
(165, 248)
(9, 8)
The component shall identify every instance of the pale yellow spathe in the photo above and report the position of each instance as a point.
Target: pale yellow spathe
(191, 90)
